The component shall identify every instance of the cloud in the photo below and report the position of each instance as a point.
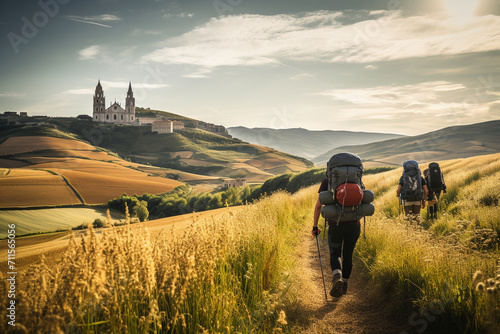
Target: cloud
(12, 95)
(301, 76)
(90, 53)
(124, 84)
(250, 40)
(425, 93)
(142, 32)
(371, 67)
(95, 20)
(82, 91)
(414, 108)
(181, 15)
(201, 73)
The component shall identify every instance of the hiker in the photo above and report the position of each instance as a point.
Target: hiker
(436, 185)
(412, 190)
(431, 198)
(345, 201)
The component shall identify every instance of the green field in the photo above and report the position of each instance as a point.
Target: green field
(49, 220)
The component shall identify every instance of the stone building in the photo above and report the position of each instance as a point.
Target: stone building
(162, 126)
(229, 183)
(115, 113)
(178, 125)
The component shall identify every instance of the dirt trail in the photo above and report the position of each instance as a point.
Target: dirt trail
(356, 312)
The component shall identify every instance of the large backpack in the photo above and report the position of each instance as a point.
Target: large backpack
(346, 198)
(435, 177)
(412, 189)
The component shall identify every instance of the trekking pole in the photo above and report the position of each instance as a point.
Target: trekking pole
(364, 227)
(400, 200)
(321, 265)
(324, 231)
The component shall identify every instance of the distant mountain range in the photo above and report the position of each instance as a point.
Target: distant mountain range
(448, 143)
(306, 143)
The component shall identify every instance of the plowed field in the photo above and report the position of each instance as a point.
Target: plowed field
(61, 169)
(28, 188)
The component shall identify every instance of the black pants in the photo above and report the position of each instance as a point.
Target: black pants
(342, 239)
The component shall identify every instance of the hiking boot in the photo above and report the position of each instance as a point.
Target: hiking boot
(344, 288)
(336, 290)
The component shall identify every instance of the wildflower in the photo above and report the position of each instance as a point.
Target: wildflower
(480, 286)
(282, 318)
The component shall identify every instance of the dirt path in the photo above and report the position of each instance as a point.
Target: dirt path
(357, 312)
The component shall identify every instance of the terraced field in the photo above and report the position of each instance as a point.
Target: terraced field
(59, 172)
(21, 187)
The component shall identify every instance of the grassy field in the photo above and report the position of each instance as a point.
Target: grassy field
(28, 221)
(235, 273)
(22, 187)
(65, 171)
(446, 270)
(226, 274)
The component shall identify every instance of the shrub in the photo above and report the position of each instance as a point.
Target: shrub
(141, 211)
(98, 223)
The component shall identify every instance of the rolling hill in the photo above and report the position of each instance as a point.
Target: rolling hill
(448, 143)
(189, 150)
(306, 143)
(52, 171)
(54, 164)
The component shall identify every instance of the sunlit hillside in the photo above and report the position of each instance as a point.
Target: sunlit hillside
(445, 144)
(431, 266)
(39, 171)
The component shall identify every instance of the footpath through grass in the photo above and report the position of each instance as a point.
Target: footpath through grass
(234, 274)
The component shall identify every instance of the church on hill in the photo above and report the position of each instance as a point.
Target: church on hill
(114, 113)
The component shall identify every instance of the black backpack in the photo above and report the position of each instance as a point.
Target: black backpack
(435, 177)
(412, 189)
(346, 198)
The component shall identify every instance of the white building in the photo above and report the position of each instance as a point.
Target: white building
(162, 126)
(115, 113)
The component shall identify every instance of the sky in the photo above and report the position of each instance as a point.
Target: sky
(391, 66)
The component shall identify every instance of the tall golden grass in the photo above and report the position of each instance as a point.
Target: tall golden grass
(233, 274)
(431, 267)
(224, 275)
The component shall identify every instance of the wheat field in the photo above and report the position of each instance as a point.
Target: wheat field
(224, 275)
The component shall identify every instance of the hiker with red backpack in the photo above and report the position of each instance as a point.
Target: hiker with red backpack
(342, 201)
(436, 185)
(412, 190)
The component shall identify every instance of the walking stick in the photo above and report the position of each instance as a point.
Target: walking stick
(321, 264)
(364, 227)
(400, 202)
(324, 231)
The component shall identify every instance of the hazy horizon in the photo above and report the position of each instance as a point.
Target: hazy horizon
(402, 67)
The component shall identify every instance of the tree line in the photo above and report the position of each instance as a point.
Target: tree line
(181, 200)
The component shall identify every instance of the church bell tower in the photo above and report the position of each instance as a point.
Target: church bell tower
(130, 104)
(99, 103)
